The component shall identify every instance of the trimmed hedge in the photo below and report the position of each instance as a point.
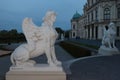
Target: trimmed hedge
(74, 50)
(87, 45)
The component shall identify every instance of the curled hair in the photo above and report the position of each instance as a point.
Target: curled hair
(48, 15)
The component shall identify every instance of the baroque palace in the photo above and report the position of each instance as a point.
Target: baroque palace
(97, 15)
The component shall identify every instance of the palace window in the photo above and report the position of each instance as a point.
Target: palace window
(92, 30)
(92, 16)
(118, 31)
(107, 14)
(92, 2)
(118, 12)
(73, 26)
(74, 34)
(88, 3)
(88, 17)
(96, 32)
(96, 14)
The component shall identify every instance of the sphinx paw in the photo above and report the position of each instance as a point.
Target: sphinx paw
(58, 63)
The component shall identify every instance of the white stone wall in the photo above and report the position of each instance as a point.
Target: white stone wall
(74, 27)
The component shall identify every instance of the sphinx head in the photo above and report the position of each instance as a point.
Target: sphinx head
(50, 17)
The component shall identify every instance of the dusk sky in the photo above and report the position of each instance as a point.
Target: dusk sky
(12, 12)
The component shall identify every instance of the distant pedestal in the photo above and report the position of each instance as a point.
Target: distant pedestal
(38, 72)
(108, 51)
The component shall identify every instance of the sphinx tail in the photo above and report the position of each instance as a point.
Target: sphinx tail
(12, 59)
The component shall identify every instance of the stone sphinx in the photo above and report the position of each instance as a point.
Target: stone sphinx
(40, 40)
(109, 36)
(62, 36)
(108, 42)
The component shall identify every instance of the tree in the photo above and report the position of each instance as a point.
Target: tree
(11, 36)
(3, 33)
(67, 34)
(59, 31)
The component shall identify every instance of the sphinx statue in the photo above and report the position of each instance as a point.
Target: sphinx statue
(40, 40)
(62, 36)
(108, 41)
(109, 36)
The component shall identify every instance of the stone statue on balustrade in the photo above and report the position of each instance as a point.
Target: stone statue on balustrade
(62, 36)
(40, 40)
(108, 41)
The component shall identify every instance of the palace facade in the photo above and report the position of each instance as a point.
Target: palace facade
(97, 15)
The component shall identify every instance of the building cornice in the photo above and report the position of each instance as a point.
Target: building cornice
(95, 4)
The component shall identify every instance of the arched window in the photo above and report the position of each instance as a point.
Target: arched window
(107, 14)
(74, 26)
(74, 34)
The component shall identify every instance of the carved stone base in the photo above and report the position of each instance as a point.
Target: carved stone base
(38, 72)
(108, 51)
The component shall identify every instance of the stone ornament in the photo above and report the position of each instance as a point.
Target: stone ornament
(108, 42)
(109, 36)
(40, 40)
(62, 36)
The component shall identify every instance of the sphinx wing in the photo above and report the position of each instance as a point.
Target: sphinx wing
(104, 30)
(29, 29)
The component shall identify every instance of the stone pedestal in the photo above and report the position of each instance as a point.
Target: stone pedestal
(38, 72)
(108, 51)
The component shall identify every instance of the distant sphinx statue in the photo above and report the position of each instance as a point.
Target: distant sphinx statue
(62, 36)
(109, 36)
(40, 40)
(108, 41)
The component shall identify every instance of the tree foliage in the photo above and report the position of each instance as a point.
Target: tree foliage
(67, 34)
(59, 30)
(11, 36)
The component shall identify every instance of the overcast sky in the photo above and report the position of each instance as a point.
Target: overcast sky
(12, 12)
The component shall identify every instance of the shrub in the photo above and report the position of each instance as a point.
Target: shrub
(74, 50)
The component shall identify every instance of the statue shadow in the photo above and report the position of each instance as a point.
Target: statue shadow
(40, 59)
